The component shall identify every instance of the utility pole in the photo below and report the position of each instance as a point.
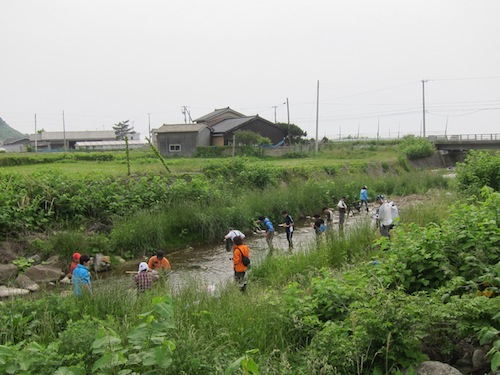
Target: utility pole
(288, 112)
(317, 117)
(184, 113)
(423, 107)
(149, 125)
(378, 128)
(36, 137)
(446, 127)
(275, 106)
(288, 115)
(64, 131)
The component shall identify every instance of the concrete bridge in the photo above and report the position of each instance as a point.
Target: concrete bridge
(464, 142)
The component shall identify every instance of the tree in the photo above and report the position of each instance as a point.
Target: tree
(250, 138)
(122, 129)
(293, 133)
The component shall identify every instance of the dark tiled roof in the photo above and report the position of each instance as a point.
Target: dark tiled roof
(230, 124)
(216, 113)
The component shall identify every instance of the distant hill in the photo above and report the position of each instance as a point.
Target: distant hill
(7, 132)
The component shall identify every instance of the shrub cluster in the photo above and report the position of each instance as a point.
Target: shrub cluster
(416, 148)
(479, 169)
(416, 300)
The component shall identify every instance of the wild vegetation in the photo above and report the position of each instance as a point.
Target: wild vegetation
(355, 304)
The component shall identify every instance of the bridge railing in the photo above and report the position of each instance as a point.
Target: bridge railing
(464, 137)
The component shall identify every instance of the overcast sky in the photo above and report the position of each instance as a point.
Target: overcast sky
(105, 61)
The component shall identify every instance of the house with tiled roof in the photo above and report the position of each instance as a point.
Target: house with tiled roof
(216, 128)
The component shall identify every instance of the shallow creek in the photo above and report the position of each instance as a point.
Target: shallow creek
(210, 265)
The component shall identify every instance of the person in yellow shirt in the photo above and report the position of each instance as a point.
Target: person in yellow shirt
(158, 261)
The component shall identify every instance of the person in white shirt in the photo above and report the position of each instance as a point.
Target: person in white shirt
(384, 216)
(230, 237)
(342, 206)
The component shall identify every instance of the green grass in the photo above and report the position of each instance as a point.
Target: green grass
(145, 161)
(212, 330)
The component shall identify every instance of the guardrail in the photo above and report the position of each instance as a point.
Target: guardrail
(464, 137)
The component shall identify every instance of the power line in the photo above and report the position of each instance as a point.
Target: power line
(463, 79)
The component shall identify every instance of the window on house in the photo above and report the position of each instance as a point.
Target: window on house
(174, 148)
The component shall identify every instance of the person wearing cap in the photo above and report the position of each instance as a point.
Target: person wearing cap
(74, 263)
(363, 197)
(81, 277)
(143, 278)
(159, 261)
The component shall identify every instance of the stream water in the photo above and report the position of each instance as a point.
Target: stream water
(210, 265)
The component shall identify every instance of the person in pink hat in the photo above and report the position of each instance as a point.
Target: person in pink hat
(74, 263)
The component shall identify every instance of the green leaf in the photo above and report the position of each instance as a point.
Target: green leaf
(105, 361)
(72, 370)
(163, 356)
(495, 361)
(252, 367)
(164, 310)
(234, 366)
(487, 335)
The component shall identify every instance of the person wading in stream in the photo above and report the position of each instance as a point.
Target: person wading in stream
(240, 269)
(230, 237)
(342, 207)
(144, 278)
(159, 262)
(269, 231)
(289, 226)
(81, 277)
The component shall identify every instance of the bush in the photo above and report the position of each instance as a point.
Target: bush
(479, 169)
(416, 148)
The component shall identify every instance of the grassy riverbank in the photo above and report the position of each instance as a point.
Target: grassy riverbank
(355, 304)
(138, 214)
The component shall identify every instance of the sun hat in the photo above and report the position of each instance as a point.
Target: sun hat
(143, 266)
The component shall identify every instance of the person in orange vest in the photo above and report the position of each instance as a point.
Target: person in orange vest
(158, 261)
(240, 269)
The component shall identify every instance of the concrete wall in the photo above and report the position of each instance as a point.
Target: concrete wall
(439, 160)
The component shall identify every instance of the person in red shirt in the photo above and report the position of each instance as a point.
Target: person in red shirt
(75, 261)
(158, 262)
(240, 270)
